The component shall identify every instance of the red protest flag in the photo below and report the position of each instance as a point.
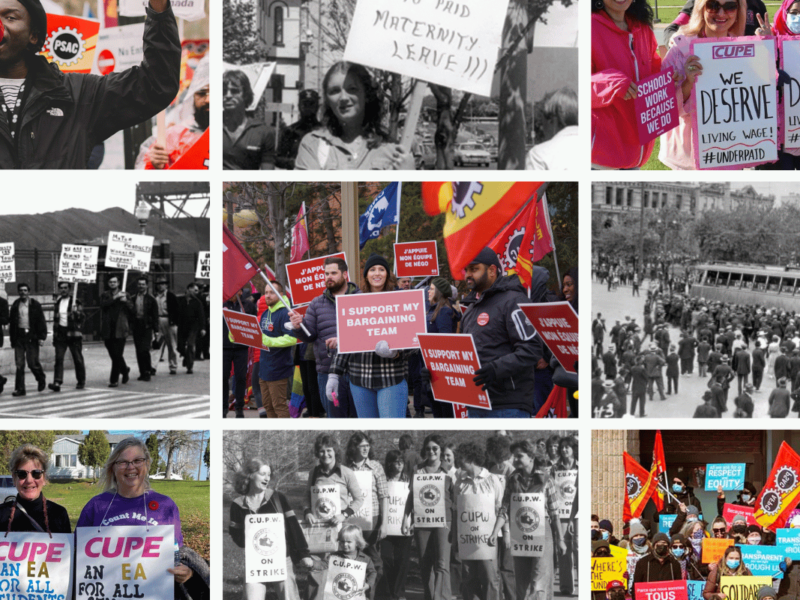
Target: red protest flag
(555, 407)
(476, 212)
(538, 240)
(639, 487)
(657, 468)
(70, 42)
(781, 493)
(237, 266)
(196, 157)
(507, 243)
(299, 236)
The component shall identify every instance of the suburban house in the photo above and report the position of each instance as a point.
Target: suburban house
(64, 462)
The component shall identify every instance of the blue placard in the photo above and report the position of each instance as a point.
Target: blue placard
(694, 590)
(790, 540)
(763, 560)
(730, 476)
(665, 522)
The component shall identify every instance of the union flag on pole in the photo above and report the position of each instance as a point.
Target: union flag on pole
(658, 468)
(781, 492)
(476, 212)
(70, 42)
(555, 407)
(639, 487)
(300, 236)
(237, 266)
(538, 240)
(508, 242)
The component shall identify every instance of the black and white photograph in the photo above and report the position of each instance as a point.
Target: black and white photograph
(105, 304)
(382, 84)
(695, 300)
(400, 514)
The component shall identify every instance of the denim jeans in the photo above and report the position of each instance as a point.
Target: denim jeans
(386, 403)
(498, 413)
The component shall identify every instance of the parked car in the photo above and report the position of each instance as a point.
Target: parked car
(472, 153)
(426, 159)
(7, 488)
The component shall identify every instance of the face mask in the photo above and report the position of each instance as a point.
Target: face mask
(698, 535)
(678, 552)
(746, 497)
(617, 596)
(639, 541)
(739, 528)
(661, 550)
(793, 23)
(677, 488)
(733, 564)
(754, 541)
(604, 534)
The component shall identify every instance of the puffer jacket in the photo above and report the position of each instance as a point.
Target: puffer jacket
(619, 58)
(66, 114)
(506, 339)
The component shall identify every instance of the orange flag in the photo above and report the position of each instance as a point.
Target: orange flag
(781, 493)
(538, 240)
(71, 42)
(639, 487)
(658, 468)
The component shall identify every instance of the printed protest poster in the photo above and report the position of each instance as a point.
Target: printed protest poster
(429, 503)
(476, 516)
(364, 515)
(460, 411)
(345, 579)
(264, 548)
(694, 590)
(737, 102)
(527, 523)
(557, 325)
(396, 506)
(363, 320)
(454, 44)
(730, 477)
(731, 510)
(665, 522)
(78, 264)
(714, 548)
(763, 560)
(203, 270)
(325, 501)
(125, 562)
(606, 570)
(656, 106)
(416, 259)
(307, 278)
(743, 587)
(7, 264)
(674, 590)
(790, 63)
(566, 484)
(452, 360)
(129, 251)
(36, 565)
(789, 541)
(118, 48)
(321, 538)
(244, 328)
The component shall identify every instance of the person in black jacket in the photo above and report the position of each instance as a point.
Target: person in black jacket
(508, 346)
(28, 331)
(144, 320)
(114, 312)
(661, 565)
(67, 322)
(52, 120)
(168, 319)
(3, 323)
(681, 495)
(192, 320)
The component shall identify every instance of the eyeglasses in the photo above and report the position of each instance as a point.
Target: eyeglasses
(713, 6)
(715, 530)
(136, 462)
(678, 547)
(22, 474)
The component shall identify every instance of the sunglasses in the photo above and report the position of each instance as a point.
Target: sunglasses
(713, 6)
(22, 474)
(715, 530)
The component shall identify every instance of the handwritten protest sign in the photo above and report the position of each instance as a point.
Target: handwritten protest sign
(429, 502)
(78, 263)
(125, 562)
(566, 482)
(727, 476)
(36, 565)
(321, 538)
(743, 588)
(729, 511)
(325, 502)
(345, 578)
(416, 259)
(364, 515)
(736, 122)
(475, 516)
(763, 560)
(665, 522)
(129, 251)
(396, 505)
(118, 48)
(362, 320)
(203, 270)
(264, 548)
(7, 264)
(694, 590)
(527, 523)
(661, 590)
(656, 106)
(789, 541)
(454, 44)
(557, 325)
(190, 10)
(606, 570)
(307, 278)
(244, 328)
(714, 548)
(452, 360)
(790, 63)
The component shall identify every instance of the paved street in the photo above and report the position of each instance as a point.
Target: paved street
(616, 305)
(164, 396)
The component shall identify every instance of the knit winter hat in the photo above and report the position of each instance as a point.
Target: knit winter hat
(444, 288)
(375, 259)
(38, 22)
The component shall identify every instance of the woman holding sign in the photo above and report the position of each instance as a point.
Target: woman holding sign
(441, 318)
(351, 136)
(710, 19)
(730, 565)
(787, 22)
(30, 510)
(258, 499)
(396, 547)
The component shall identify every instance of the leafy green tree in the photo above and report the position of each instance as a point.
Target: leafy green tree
(207, 459)
(11, 440)
(94, 451)
(240, 42)
(152, 448)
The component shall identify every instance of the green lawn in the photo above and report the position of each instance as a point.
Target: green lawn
(653, 164)
(667, 11)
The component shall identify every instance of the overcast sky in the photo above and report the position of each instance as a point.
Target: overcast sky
(778, 189)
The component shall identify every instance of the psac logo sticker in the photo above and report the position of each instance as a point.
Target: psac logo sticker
(734, 51)
(66, 46)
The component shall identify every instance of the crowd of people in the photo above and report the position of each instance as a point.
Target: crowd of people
(517, 369)
(503, 467)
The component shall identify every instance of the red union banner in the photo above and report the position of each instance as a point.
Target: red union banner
(362, 320)
(729, 511)
(307, 278)
(452, 360)
(244, 328)
(196, 157)
(71, 42)
(557, 325)
(416, 259)
(661, 590)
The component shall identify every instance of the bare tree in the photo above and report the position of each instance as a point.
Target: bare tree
(173, 443)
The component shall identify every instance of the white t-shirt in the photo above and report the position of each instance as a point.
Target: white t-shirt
(10, 90)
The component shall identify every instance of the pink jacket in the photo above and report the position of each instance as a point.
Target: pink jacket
(619, 58)
(780, 27)
(679, 145)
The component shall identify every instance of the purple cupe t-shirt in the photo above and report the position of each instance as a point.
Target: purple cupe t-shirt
(161, 510)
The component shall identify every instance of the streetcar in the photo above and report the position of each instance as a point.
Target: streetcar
(770, 286)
